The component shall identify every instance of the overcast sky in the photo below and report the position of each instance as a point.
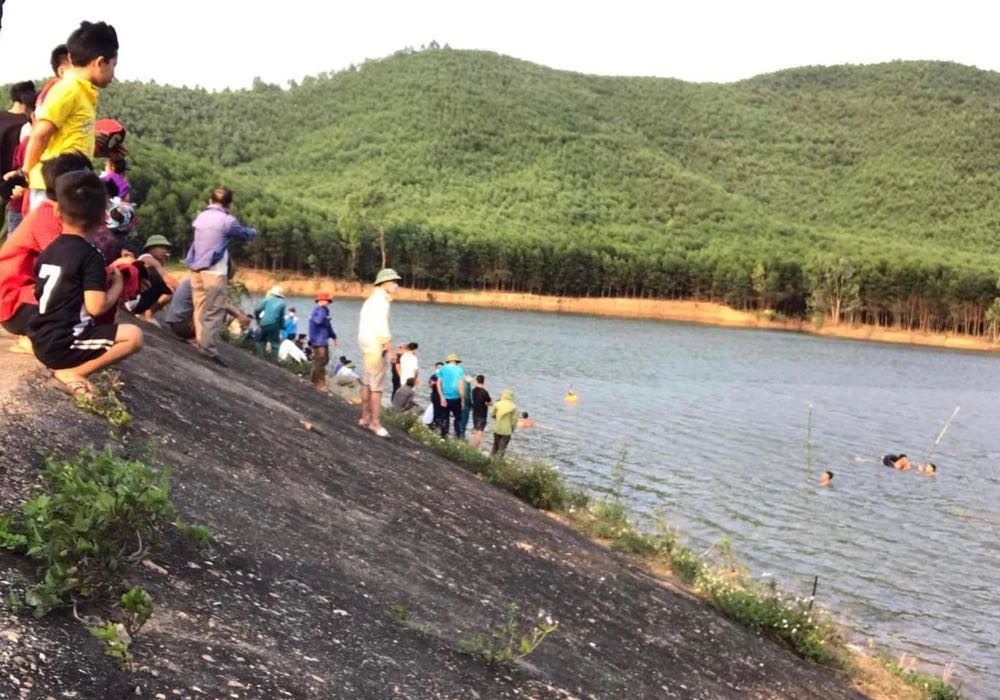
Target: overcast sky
(220, 43)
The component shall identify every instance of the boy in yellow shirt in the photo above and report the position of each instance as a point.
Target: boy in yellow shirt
(65, 121)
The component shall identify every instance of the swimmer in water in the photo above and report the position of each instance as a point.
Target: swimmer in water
(929, 469)
(826, 479)
(900, 462)
(524, 422)
(571, 395)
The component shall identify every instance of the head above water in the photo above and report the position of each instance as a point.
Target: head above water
(826, 478)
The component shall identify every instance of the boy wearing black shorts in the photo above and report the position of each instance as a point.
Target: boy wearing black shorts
(480, 407)
(71, 292)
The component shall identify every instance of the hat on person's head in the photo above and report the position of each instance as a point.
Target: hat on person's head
(276, 291)
(507, 395)
(157, 240)
(324, 296)
(452, 358)
(386, 275)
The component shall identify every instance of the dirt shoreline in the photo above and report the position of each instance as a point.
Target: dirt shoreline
(700, 312)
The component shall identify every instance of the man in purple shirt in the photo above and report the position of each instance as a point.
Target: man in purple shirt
(208, 260)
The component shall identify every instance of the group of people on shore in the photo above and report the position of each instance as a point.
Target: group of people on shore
(66, 270)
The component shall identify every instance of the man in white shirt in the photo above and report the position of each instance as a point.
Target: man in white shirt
(376, 348)
(409, 365)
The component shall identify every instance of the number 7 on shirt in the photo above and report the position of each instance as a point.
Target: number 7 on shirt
(51, 275)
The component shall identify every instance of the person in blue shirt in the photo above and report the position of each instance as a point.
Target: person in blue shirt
(320, 334)
(291, 328)
(451, 381)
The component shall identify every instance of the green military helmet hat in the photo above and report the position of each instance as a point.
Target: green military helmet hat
(386, 275)
(157, 240)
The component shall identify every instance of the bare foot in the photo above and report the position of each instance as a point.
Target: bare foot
(22, 346)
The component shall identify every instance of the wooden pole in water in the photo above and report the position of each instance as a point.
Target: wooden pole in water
(940, 436)
(809, 445)
(813, 596)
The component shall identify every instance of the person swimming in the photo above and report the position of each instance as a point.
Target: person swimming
(900, 462)
(525, 422)
(929, 469)
(571, 396)
(826, 479)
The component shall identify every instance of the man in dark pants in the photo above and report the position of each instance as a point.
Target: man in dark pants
(320, 334)
(451, 385)
(434, 382)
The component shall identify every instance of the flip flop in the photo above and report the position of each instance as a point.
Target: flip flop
(76, 388)
(381, 432)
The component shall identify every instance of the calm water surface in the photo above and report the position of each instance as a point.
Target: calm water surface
(711, 425)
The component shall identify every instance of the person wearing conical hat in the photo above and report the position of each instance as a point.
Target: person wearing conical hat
(270, 314)
(504, 414)
(154, 256)
(377, 349)
(451, 380)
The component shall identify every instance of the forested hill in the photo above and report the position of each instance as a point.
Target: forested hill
(867, 192)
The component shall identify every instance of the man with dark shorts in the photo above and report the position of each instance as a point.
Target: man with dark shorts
(160, 289)
(481, 402)
(72, 290)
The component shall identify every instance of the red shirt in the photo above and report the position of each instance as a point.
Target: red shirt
(19, 254)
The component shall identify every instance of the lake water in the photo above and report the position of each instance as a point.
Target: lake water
(711, 426)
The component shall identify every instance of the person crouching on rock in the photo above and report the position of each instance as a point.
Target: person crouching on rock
(161, 286)
(71, 292)
(19, 253)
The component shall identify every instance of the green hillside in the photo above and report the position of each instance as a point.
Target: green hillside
(862, 192)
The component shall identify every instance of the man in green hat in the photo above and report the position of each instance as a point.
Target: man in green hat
(161, 285)
(376, 349)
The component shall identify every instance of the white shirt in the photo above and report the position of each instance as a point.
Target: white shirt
(408, 366)
(373, 324)
(221, 267)
(289, 350)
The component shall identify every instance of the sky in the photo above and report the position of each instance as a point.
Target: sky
(226, 43)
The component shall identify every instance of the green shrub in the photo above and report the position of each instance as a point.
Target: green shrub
(98, 515)
(512, 640)
(931, 687)
(137, 607)
(105, 401)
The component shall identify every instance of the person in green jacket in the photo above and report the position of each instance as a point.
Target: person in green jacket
(504, 414)
(270, 314)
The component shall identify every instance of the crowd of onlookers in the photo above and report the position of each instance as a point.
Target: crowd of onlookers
(71, 262)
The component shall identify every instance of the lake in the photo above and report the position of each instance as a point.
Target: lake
(710, 425)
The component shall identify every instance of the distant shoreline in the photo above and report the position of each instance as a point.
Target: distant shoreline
(702, 312)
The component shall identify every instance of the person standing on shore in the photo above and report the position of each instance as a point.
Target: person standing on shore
(270, 314)
(375, 341)
(435, 385)
(451, 380)
(320, 334)
(504, 422)
(481, 402)
(396, 381)
(208, 260)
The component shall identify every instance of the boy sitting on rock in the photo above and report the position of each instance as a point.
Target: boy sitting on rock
(71, 292)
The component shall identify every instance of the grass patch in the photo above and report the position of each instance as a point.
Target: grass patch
(105, 402)
(534, 482)
(515, 638)
(931, 687)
